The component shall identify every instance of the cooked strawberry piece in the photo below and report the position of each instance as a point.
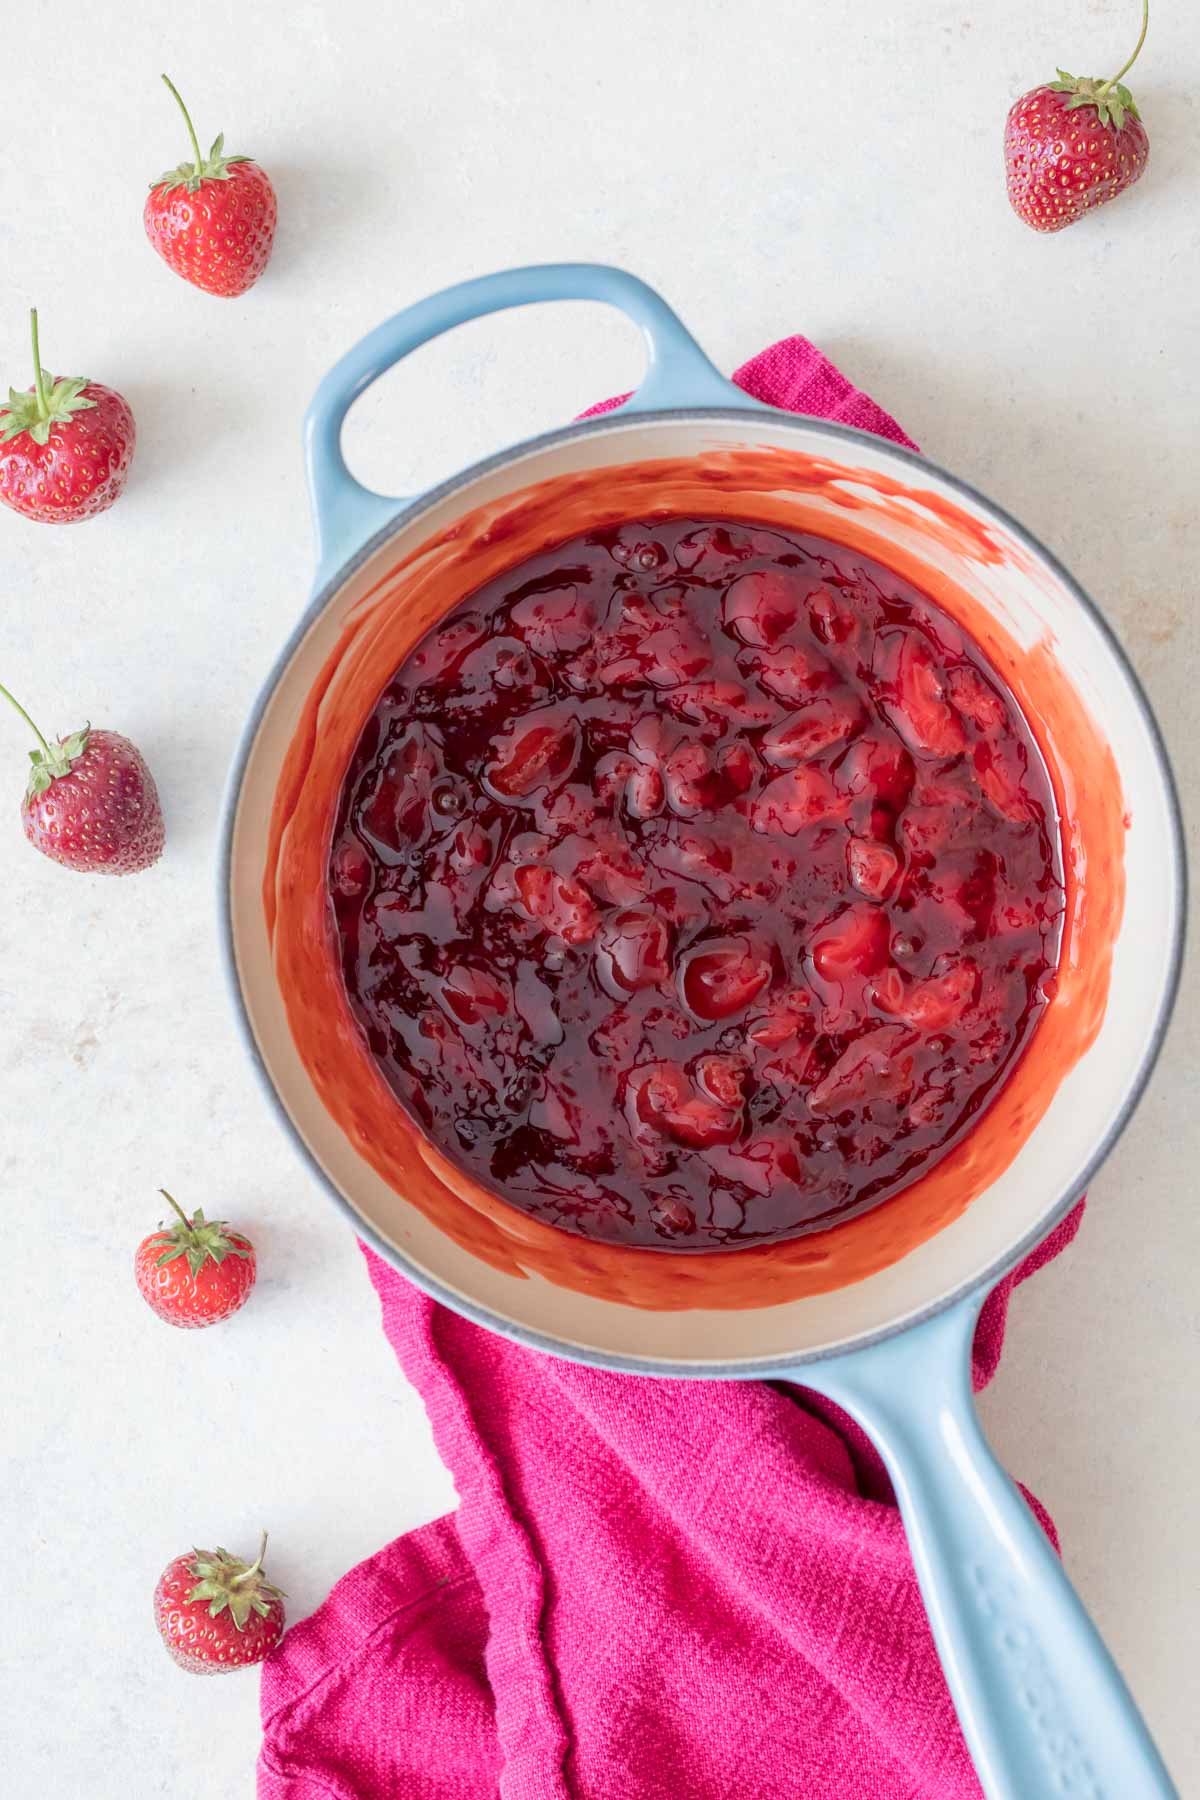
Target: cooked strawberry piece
(826, 721)
(738, 767)
(674, 653)
(723, 703)
(854, 943)
(556, 621)
(721, 1078)
(559, 904)
(926, 830)
(652, 740)
(931, 1005)
(976, 699)
(938, 1002)
(689, 779)
(701, 1122)
(611, 777)
(660, 1096)
(673, 1216)
(878, 769)
(888, 990)
(793, 802)
(700, 858)
(786, 1016)
(559, 1113)
(398, 814)
(534, 754)
(765, 1163)
(834, 621)
(351, 868)
(719, 980)
(609, 868)
(791, 672)
(1001, 782)
(764, 605)
(872, 866)
(877, 1066)
(913, 694)
(711, 549)
(633, 952)
(471, 994)
(646, 794)
(505, 663)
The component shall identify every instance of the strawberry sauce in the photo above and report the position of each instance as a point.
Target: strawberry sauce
(696, 884)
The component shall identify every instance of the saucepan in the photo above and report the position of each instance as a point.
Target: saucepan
(878, 1313)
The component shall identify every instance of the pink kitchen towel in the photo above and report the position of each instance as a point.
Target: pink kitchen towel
(651, 1590)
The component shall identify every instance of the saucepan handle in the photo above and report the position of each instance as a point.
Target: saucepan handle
(1042, 1705)
(677, 374)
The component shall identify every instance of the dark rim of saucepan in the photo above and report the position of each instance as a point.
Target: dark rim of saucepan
(761, 1367)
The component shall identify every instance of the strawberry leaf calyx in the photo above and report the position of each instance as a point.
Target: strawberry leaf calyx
(1113, 101)
(201, 1240)
(47, 403)
(53, 761)
(216, 166)
(229, 1584)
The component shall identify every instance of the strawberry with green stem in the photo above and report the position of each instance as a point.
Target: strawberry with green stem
(213, 219)
(65, 445)
(216, 1612)
(1073, 144)
(90, 802)
(196, 1272)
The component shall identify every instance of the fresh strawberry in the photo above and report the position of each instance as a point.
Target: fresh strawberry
(65, 446)
(1073, 144)
(90, 802)
(215, 1612)
(213, 219)
(197, 1272)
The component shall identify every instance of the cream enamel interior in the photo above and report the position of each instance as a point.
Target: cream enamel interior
(1022, 589)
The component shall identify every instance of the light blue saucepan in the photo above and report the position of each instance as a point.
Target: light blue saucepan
(1043, 1707)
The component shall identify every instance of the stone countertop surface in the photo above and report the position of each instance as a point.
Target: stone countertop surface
(772, 168)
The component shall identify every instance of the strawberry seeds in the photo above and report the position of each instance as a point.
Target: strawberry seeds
(696, 884)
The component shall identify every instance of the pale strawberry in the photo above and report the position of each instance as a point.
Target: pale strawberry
(90, 802)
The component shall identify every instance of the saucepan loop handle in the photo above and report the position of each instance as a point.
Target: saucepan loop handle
(1042, 1704)
(677, 374)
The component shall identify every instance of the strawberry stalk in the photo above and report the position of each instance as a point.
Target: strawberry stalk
(213, 167)
(50, 403)
(52, 761)
(11, 698)
(1112, 99)
(1137, 50)
(39, 379)
(187, 119)
(256, 1565)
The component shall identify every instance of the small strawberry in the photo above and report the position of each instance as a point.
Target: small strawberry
(90, 802)
(197, 1272)
(213, 220)
(215, 1612)
(1074, 144)
(65, 446)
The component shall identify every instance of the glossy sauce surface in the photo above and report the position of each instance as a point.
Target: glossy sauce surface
(695, 884)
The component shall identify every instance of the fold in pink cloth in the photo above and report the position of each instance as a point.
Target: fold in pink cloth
(651, 1590)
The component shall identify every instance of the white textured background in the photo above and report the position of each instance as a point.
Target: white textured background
(773, 166)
